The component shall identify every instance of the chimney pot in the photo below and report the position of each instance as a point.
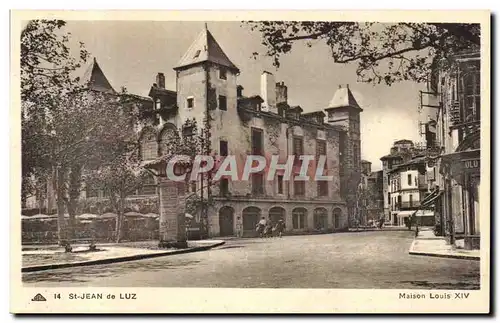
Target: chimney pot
(160, 80)
(340, 86)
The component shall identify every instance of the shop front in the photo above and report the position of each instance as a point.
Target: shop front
(462, 169)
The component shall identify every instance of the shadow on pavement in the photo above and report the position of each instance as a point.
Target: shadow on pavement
(101, 271)
(229, 247)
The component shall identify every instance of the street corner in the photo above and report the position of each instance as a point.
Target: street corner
(206, 244)
(439, 247)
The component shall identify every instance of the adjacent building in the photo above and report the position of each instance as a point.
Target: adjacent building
(456, 92)
(371, 194)
(400, 152)
(407, 190)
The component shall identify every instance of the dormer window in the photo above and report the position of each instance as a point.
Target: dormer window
(197, 54)
(222, 73)
(157, 104)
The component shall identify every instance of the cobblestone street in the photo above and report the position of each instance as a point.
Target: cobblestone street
(343, 260)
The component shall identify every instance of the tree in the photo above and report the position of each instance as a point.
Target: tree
(384, 52)
(46, 75)
(118, 179)
(66, 126)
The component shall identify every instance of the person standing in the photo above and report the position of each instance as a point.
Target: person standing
(261, 226)
(239, 232)
(280, 228)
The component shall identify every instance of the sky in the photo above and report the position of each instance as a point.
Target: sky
(131, 53)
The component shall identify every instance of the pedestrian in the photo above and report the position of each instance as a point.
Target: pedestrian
(261, 226)
(238, 227)
(280, 228)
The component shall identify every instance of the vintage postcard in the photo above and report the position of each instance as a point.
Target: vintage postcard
(250, 162)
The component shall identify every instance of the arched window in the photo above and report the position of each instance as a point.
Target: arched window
(251, 216)
(149, 145)
(169, 137)
(299, 218)
(320, 219)
(276, 213)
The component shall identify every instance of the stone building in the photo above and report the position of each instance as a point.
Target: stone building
(456, 93)
(207, 91)
(400, 152)
(261, 124)
(371, 195)
(407, 190)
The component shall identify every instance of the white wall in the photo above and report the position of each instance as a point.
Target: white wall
(413, 174)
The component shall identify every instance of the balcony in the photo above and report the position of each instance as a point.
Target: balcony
(407, 205)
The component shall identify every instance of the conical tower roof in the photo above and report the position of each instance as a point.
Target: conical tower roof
(205, 49)
(95, 79)
(343, 98)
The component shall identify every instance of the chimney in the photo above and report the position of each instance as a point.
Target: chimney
(281, 93)
(160, 80)
(268, 92)
(239, 91)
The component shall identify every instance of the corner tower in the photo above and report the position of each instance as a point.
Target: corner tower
(206, 81)
(344, 111)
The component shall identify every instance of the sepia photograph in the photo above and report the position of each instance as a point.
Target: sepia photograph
(251, 154)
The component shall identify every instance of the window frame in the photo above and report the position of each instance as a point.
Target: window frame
(222, 73)
(190, 99)
(222, 99)
(302, 191)
(322, 188)
(226, 144)
(261, 144)
(279, 185)
(258, 187)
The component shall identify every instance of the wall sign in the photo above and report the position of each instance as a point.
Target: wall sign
(471, 164)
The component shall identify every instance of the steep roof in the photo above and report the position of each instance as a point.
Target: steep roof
(205, 49)
(95, 79)
(342, 98)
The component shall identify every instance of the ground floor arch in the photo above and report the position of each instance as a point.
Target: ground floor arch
(277, 213)
(251, 216)
(299, 218)
(320, 219)
(226, 221)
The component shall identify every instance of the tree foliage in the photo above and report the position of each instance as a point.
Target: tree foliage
(384, 52)
(67, 127)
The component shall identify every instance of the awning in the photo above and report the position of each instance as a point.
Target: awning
(431, 199)
(421, 213)
(418, 213)
(430, 196)
(405, 213)
(458, 164)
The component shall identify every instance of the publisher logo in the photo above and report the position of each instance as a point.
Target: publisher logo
(38, 298)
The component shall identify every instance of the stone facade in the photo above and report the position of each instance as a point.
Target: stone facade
(207, 91)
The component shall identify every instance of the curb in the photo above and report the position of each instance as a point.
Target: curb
(441, 255)
(438, 255)
(119, 259)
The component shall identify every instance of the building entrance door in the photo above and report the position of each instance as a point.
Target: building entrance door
(226, 221)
